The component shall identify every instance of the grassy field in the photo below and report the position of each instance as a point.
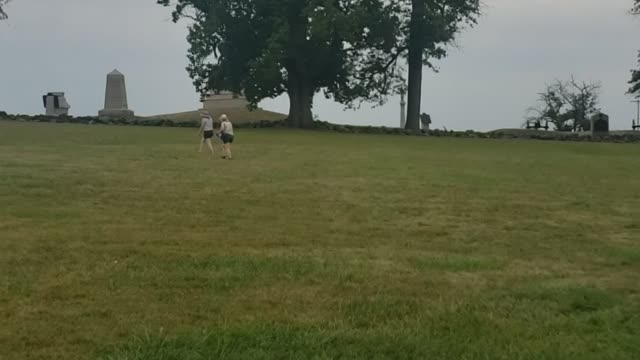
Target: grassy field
(124, 243)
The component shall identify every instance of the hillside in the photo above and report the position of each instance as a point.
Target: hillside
(236, 115)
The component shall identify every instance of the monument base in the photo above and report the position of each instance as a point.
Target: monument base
(116, 114)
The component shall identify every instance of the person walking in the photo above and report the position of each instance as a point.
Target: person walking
(206, 131)
(226, 135)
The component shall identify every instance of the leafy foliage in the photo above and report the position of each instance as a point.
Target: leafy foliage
(635, 74)
(264, 48)
(349, 49)
(438, 25)
(567, 105)
(3, 14)
(430, 26)
(635, 80)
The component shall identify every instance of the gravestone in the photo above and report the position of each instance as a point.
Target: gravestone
(115, 98)
(600, 124)
(55, 104)
(425, 120)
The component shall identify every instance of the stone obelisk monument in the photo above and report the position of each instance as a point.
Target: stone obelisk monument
(115, 98)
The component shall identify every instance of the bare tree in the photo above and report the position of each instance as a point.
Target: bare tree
(3, 14)
(567, 105)
(549, 109)
(582, 101)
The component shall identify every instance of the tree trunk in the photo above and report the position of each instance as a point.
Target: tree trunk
(300, 104)
(416, 43)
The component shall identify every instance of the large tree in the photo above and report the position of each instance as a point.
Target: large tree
(264, 48)
(432, 26)
(635, 74)
(635, 80)
(3, 14)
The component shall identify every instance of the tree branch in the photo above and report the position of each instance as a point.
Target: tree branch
(370, 78)
(3, 14)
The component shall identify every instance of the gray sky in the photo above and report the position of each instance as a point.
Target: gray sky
(486, 83)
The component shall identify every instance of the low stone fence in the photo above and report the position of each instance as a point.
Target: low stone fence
(618, 137)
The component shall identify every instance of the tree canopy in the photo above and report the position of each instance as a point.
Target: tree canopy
(635, 74)
(352, 50)
(3, 14)
(264, 48)
(635, 80)
(429, 28)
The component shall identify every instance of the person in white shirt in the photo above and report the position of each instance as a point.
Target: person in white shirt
(206, 131)
(226, 134)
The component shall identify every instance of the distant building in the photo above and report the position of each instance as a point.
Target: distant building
(55, 104)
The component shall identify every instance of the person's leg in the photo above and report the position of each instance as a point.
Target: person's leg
(228, 150)
(229, 145)
(201, 143)
(210, 146)
(224, 139)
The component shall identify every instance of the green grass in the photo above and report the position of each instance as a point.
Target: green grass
(124, 243)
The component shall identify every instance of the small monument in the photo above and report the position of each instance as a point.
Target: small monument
(115, 99)
(55, 104)
(425, 120)
(599, 125)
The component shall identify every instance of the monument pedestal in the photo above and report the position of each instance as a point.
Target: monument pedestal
(116, 114)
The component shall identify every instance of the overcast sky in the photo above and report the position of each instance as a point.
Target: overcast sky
(486, 83)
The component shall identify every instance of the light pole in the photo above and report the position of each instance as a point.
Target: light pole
(403, 111)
